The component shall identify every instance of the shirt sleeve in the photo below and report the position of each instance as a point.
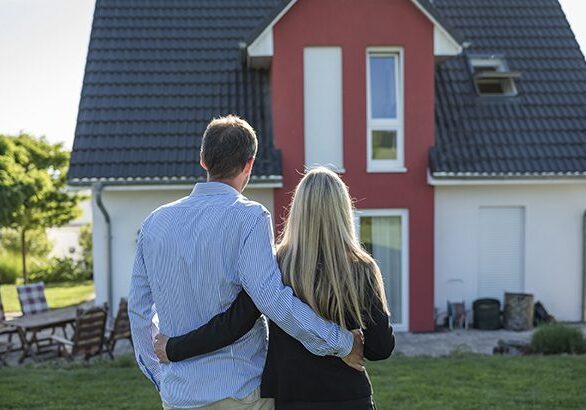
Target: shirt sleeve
(222, 330)
(262, 280)
(140, 312)
(379, 340)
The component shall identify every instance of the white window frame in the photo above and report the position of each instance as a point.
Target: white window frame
(404, 214)
(384, 124)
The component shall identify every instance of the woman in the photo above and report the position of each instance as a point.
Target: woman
(326, 267)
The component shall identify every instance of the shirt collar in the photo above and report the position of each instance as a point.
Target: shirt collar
(213, 188)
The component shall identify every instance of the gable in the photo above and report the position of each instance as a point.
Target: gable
(260, 47)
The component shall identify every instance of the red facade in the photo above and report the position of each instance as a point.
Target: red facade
(359, 24)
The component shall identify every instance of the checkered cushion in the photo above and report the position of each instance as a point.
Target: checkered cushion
(32, 298)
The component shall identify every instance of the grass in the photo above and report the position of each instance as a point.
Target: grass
(58, 295)
(457, 382)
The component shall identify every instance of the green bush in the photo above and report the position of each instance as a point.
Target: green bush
(61, 270)
(556, 338)
(85, 242)
(10, 267)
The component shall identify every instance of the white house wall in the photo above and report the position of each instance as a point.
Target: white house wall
(553, 242)
(127, 210)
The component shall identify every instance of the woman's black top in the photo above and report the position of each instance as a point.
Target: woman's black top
(291, 373)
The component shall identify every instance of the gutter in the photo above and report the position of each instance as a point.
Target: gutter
(98, 188)
(479, 179)
(272, 181)
(584, 267)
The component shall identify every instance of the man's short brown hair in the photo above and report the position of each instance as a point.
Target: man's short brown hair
(228, 144)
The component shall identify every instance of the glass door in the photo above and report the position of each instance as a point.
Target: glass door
(383, 234)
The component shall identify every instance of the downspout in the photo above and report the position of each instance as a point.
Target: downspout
(584, 267)
(98, 188)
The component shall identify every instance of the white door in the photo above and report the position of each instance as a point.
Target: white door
(383, 233)
(501, 251)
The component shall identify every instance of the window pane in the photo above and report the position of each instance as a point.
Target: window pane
(383, 93)
(381, 237)
(384, 145)
(491, 87)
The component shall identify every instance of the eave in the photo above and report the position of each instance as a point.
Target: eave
(269, 181)
(443, 178)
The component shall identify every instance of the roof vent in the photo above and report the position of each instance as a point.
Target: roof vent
(492, 76)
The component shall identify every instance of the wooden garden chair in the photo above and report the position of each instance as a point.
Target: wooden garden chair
(32, 298)
(89, 335)
(457, 315)
(5, 331)
(120, 329)
(33, 301)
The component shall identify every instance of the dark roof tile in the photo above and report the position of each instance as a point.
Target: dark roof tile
(543, 128)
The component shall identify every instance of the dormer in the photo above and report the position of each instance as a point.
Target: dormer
(492, 76)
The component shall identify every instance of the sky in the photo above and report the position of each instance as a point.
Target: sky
(43, 46)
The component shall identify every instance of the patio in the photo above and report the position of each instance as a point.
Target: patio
(444, 343)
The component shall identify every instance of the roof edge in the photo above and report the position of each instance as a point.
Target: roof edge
(504, 178)
(268, 180)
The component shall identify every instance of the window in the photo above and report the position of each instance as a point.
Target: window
(492, 76)
(385, 144)
(383, 233)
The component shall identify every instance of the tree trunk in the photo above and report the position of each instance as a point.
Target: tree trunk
(23, 253)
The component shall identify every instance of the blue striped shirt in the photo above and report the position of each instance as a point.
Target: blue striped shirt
(193, 257)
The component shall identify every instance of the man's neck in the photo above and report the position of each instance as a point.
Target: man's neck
(230, 182)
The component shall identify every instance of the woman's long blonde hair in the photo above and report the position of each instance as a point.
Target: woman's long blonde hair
(319, 255)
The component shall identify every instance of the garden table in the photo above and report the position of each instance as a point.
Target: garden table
(29, 326)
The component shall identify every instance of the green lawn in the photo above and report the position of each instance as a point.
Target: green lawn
(458, 382)
(58, 295)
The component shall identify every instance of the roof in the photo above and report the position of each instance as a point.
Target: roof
(156, 73)
(539, 132)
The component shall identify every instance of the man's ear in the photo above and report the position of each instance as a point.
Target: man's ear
(203, 165)
(248, 167)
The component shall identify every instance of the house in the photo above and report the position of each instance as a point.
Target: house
(459, 126)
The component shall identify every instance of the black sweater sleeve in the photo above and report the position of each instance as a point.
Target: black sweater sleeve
(221, 331)
(379, 340)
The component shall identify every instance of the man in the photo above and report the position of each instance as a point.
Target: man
(193, 257)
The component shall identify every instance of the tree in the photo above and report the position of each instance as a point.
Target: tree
(38, 243)
(33, 191)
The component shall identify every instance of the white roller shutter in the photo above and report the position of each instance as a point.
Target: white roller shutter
(322, 78)
(501, 251)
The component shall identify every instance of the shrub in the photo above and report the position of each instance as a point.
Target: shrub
(556, 338)
(10, 267)
(85, 242)
(61, 270)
